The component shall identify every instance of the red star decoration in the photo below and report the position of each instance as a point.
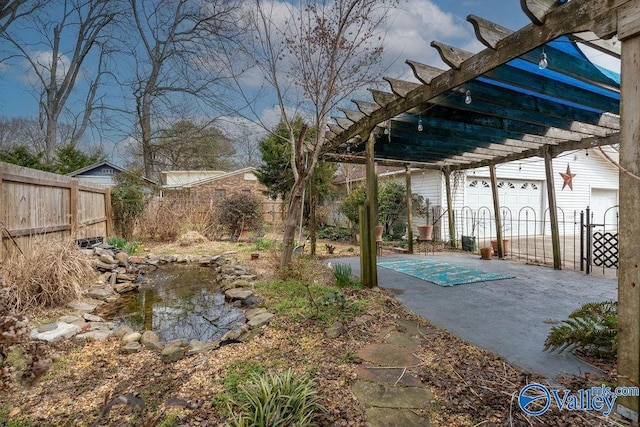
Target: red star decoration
(568, 178)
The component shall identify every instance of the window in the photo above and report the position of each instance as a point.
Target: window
(473, 184)
(525, 186)
(485, 184)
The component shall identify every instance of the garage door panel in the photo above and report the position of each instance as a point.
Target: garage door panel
(521, 198)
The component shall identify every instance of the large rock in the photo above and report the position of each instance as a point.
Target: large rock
(132, 337)
(63, 330)
(123, 258)
(335, 330)
(92, 318)
(260, 319)
(130, 348)
(122, 331)
(151, 341)
(238, 293)
(83, 306)
(97, 335)
(172, 353)
(103, 293)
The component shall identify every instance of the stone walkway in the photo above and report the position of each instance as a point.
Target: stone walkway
(387, 383)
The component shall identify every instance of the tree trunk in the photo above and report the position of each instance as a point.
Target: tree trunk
(313, 203)
(290, 225)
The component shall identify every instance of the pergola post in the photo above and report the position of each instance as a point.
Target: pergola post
(407, 174)
(452, 225)
(368, 221)
(553, 209)
(629, 232)
(496, 208)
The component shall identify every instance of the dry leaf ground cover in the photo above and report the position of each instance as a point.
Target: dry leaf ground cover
(472, 387)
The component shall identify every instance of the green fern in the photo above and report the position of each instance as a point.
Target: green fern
(593, 328)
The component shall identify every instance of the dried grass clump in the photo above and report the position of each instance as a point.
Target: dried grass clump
(191, 238)
(53, 273)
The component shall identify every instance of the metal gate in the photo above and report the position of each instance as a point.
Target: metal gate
(599, 240)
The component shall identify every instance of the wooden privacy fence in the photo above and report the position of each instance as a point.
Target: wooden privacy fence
(36, 204)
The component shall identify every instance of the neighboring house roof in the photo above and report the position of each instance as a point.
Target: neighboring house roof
(359, 173)
(97, 169)
(179, 179)
(215, 178)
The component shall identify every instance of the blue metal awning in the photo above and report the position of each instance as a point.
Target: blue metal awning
(505, 113)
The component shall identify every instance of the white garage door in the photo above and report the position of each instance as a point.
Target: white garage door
(601, 201)
(523, 198)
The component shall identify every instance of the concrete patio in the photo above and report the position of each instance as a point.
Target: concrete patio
(510, 317)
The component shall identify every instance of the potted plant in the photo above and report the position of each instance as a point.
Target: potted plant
(423, 209)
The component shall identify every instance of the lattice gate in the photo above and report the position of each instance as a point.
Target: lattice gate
(599, 240)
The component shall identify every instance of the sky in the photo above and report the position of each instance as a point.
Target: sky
(412, 27)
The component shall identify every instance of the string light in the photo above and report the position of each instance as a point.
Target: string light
(420, 127)
(543, 60)
(467, 98)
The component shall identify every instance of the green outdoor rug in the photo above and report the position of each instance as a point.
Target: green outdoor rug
(441, 273)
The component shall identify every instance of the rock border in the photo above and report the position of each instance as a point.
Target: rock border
(119, 273)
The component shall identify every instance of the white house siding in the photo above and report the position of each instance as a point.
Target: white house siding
(595, 181)
(107, 180)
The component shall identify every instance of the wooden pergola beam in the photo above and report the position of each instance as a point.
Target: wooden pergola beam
(599, 16)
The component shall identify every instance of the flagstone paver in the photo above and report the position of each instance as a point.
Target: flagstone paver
(388, 385)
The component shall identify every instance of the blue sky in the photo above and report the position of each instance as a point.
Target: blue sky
(421, 21)
(410, 31)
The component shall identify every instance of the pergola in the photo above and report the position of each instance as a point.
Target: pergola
(529, 93)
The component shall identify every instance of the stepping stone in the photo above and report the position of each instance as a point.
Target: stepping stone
(414, 329)
(402, 340)
(388, 355)
(386, 417)
(389, 396)
(387, 376)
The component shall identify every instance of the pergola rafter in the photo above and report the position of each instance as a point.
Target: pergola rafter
(530, 92)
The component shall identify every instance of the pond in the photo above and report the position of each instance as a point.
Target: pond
(178, 301)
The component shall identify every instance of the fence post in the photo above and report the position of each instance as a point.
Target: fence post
(73, 207)
(3, 213)
(108, 213)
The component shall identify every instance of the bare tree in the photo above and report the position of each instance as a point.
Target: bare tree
(68, 32)
(11, 10)
(17, 131)
(174, 57)
(313, 56)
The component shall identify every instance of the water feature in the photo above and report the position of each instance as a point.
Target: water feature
(178, 301)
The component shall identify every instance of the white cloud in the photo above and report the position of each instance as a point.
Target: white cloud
(412, 28)
(43, 62)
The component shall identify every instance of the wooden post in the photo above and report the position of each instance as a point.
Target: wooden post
(365, 256)
(407, 175)
(372, 205)
(496, 208)
(108, 212)
(553, 209)
(73, 208)
(629, 234)
(450, 216)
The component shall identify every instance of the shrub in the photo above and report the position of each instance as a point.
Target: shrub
(240, 211)
(127, 201)
(53, 273)
(121, 243)
(338, 234)
(167, 218)
(593, 328)
(276, 400)
(351, 203)
(263, 244)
